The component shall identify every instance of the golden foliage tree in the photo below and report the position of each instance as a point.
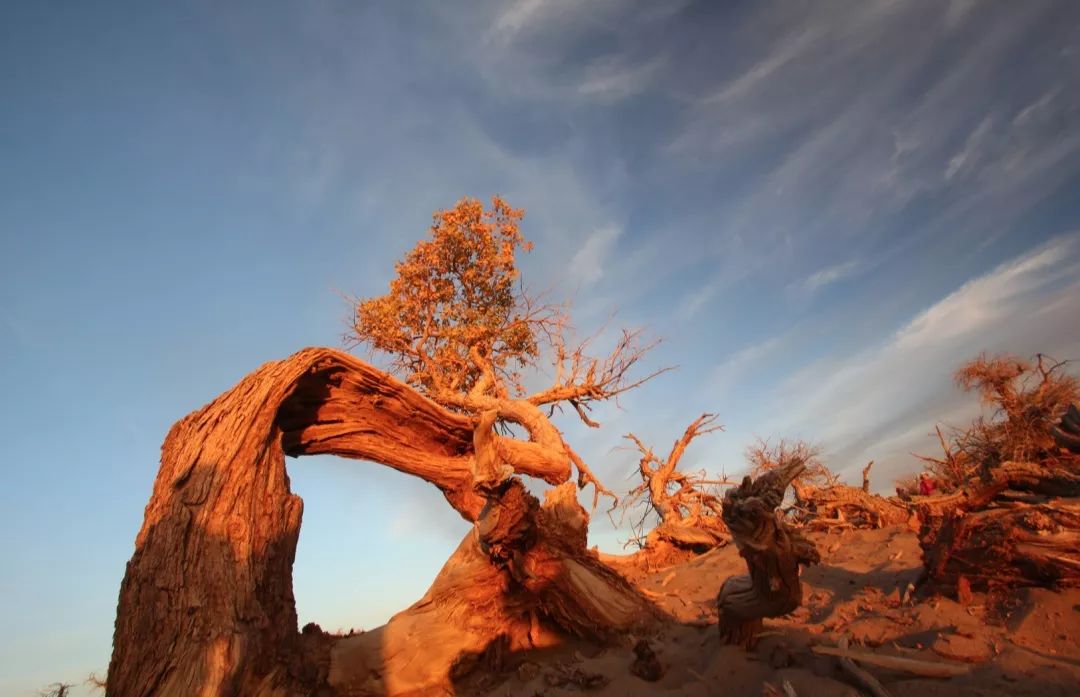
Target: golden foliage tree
(459, 325)
(455, 320)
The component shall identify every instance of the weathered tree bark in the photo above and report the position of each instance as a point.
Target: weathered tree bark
(773, 551)
(1007, 546)
(206, 606)
(1017, 526)
(492, 598)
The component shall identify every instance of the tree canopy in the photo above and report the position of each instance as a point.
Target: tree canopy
(455, 310)
(459, 324)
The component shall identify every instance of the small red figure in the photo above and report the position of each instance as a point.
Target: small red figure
(926, 484)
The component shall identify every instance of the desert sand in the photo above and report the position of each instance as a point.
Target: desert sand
(1024, 643)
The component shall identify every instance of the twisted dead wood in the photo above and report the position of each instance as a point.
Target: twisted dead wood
(685, 503)
(773, 551)
(847, 506)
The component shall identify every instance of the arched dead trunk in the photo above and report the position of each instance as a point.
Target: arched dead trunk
(206, 606)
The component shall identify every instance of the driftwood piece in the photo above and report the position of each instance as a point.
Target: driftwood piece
(206, 605)
(926, 669)
(773, 551)
(858, 675)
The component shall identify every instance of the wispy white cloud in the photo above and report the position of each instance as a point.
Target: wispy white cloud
(827, 102)
(570, 17)
(515, 16)
(696, 300)
(612, 78)
(744, 362)
(587, 265)
(967, 156)
(819, 279)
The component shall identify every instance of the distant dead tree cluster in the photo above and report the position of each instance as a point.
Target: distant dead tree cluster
(765, 455)
(821, 501)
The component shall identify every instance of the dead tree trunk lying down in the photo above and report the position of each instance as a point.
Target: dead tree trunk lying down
(1018, 526)
(686, 503)
(823, 508)
(206, 605)
(773, 551)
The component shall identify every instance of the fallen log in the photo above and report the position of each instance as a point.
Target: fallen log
(1016, 525)
(1017, 545)
(1067, 433)
(821, 507)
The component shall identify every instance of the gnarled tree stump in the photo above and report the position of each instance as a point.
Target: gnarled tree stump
(773, 551)
(206, 605)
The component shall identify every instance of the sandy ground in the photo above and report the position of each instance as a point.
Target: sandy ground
(1024, 644)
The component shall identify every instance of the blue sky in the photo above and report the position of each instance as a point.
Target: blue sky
(821, 207)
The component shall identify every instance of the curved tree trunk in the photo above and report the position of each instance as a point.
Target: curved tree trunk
(773, 551)
(206, 606)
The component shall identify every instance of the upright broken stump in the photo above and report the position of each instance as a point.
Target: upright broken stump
(773, 551)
